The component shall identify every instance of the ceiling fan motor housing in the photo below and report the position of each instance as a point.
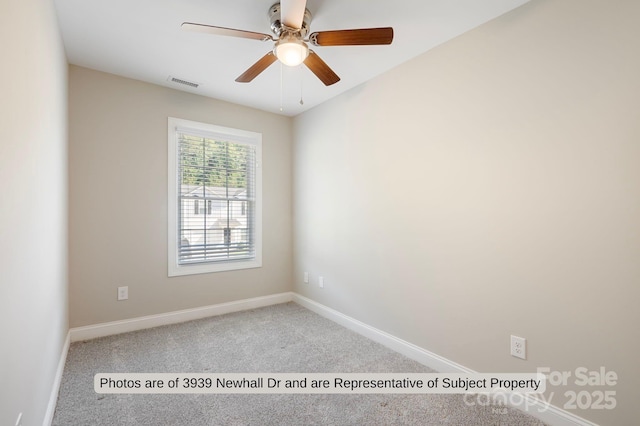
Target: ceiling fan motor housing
(278, 28)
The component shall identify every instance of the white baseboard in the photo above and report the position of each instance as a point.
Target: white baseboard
(423, 356)
(53, 399)
(549, 414)
(141, 323)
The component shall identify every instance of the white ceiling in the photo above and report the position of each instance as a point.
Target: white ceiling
(142, 39)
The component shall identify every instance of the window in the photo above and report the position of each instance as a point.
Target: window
(215, 198)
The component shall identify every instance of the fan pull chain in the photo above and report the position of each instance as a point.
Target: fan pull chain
(281, 87)
(301, 80)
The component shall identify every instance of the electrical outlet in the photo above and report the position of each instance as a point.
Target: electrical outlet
(19, 420)
(321, 282)
(306, 278)
(123, 293)
(519, 347)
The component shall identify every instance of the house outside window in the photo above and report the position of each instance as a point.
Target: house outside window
(215, 198)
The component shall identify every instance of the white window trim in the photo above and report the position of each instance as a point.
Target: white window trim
(175, 269)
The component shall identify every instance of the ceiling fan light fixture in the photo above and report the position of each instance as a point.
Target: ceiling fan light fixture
(291, 51)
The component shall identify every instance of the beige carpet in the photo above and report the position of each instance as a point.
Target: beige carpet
(277, 339)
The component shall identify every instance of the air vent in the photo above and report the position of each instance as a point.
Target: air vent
(185, 82)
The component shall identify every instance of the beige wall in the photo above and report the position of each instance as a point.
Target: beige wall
(33, 208)
(488, 187)
(118, 200)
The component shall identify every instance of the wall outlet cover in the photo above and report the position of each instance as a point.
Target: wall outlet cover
(123, 293)
(519, 347)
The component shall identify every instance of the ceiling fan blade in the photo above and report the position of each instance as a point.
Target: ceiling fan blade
(255, 69)
(229, 32)
(361, 37)
(292, 12)
(321, 69)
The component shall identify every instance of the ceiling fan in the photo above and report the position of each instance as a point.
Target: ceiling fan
(290, 21)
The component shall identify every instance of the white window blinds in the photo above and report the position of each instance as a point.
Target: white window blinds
(216, 195)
